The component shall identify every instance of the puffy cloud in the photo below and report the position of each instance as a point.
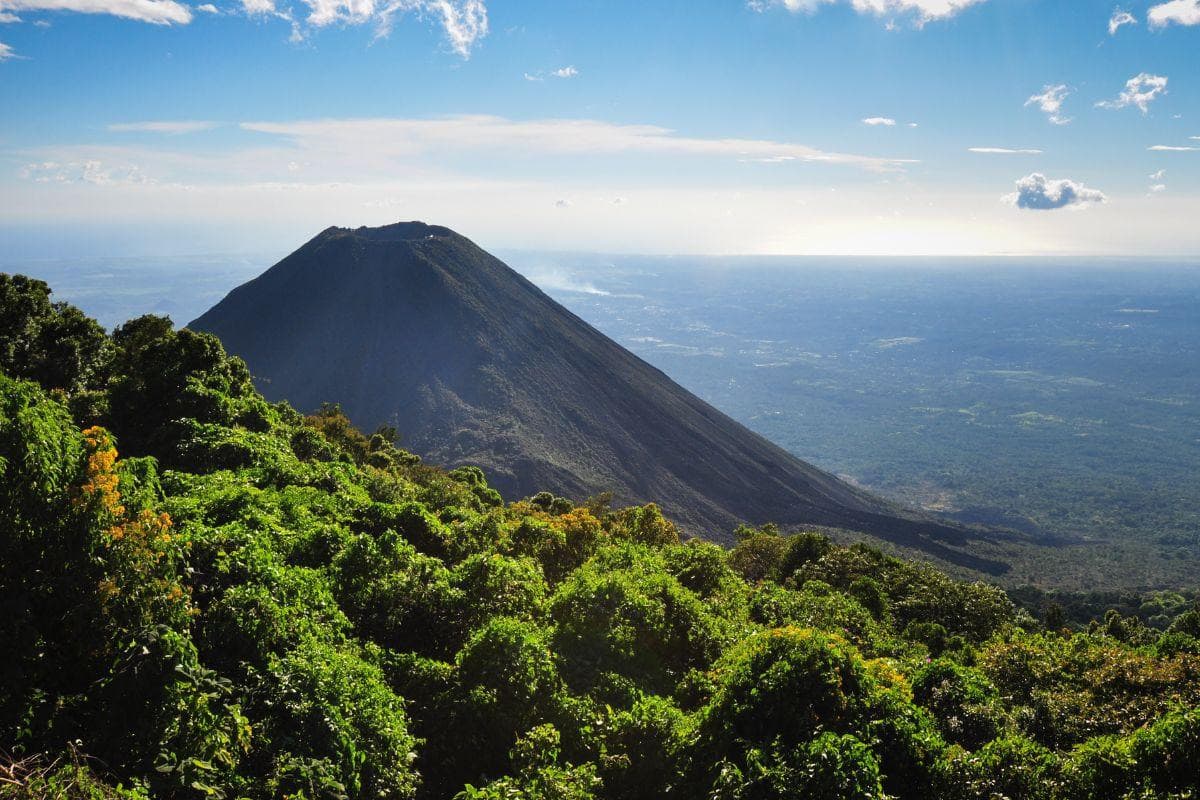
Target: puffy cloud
(157, 12)
(208, 8)
(1169, 148)
(1140, 91)
(921, 10)
(166, 126)
(885, 121)
(1050, 102)
(1179, 12)
(1036, 192)
(1118, 19)
(1004, 151)
(6, 52)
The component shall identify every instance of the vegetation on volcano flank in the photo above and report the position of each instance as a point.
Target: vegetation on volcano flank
(206, 595)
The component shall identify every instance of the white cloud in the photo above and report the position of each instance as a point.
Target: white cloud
(885, 121)
(163, 126)
(921, 11)
(1004, 151)
(1179, 12)
(1158, 187)
(1157, 175)
(91, 171)
(464, 22)
(1167, 148)
(7, 18)
(392, 138)
(1036, 192)
(1118, 19)
(1050, 102)
(561, 72)
(158, 12)
(1140, 91)
(6, 52)
(912, 124)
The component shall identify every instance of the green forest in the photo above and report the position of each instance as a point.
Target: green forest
(206, 595)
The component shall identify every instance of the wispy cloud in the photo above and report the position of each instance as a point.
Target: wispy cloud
(157, 12)
(1169, 148)
(1178, 12)
(561, 72)
(7, 18)
(465, 21)
(1139, 91)
(1036, 192)
(875, 121)
(1005, 151)
(174, 127)
(394, 138)
(93, 171)
(6, 52)
(1157, 175)
(1118, 19)
(921, 11)
(1050, 102)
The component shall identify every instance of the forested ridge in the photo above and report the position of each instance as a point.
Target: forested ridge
(203, 594)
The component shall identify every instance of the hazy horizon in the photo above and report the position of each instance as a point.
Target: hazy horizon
(799, 127)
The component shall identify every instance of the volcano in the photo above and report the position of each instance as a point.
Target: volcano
(414, 326)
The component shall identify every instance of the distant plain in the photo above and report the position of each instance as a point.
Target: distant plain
(1056, 397)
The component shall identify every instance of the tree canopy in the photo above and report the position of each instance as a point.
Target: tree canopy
(205, 595)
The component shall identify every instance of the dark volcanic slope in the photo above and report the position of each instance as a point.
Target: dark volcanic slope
(413, 325)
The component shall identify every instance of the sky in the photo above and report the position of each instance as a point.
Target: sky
(880, 127)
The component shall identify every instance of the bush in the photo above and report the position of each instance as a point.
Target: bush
(333, 717)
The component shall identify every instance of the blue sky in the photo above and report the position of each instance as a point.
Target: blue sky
(777, 126)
